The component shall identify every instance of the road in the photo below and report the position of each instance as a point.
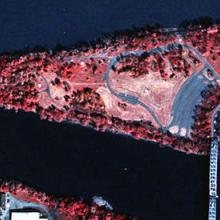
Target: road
(185, 100)
(184, 103)
(11, 203)
(187, 97)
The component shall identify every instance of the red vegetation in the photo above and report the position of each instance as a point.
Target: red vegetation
(140, 65)
(67, 208)
(69, 85)
(201, 130)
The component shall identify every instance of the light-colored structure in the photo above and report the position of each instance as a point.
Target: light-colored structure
(15, 209)
(26, 216)
(213, 168)
(213, 179)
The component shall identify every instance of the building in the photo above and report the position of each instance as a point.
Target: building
(26, 215)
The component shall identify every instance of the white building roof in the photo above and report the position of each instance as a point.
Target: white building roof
(26, 216)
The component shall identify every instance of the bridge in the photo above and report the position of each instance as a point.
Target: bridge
(213, 165)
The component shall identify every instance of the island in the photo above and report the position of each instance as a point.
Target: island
(152, 83)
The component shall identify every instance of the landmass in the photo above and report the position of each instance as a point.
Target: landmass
(17, 199)
(152, 83)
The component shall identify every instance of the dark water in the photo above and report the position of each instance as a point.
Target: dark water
(30, 22)
(70, 160)
(136, 177)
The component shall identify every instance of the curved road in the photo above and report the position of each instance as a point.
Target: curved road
(187, 97)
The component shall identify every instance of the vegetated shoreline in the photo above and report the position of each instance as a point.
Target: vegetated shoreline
(127, 34)
(65, 207)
